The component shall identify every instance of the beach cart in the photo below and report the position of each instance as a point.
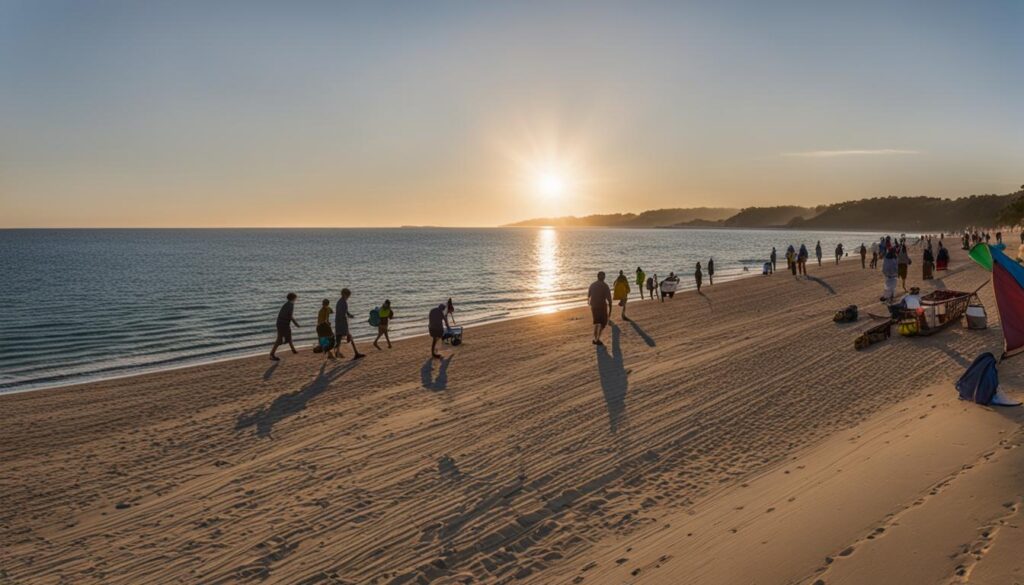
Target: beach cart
(938, 310)
(452, 336)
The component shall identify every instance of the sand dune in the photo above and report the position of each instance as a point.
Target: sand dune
(702, 445)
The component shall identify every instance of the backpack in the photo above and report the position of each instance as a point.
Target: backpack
(374, 320)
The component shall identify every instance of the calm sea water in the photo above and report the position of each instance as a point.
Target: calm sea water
(84, 304)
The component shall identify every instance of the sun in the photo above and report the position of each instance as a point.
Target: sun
(551, 184)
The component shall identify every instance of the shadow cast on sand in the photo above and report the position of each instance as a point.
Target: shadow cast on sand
(707, 299)
(614, 380)
(270, 371)
(643, 334)
(823, 283)
(427, 374)
(289, 404)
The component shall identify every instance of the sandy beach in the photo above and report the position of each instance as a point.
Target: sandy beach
(731, 437)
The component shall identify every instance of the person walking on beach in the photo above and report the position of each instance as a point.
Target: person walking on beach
(285, 318)
(928, 264)
(621, 293)
(652, 283)
(889, 273)
(437, 320)
(817, 252)
(599, 297)
(641, 278)
(324, 314)
(801, 260)
(773, 258)
(385, 315)
(863, 256)
(839, 253)
(711, 271)
(341, 327)
(325, 336)
(903, 265)
(698, 276)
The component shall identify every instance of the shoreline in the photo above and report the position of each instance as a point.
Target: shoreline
(198, 361)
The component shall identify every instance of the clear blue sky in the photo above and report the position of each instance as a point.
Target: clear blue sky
(333, 113)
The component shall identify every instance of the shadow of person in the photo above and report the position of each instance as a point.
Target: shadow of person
(270, 371)
(820, 281)
(427, 374)
(289, 404)
(707, 299)
(614, 380)
(643, 334)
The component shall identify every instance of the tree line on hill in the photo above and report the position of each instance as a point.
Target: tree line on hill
(908, 214)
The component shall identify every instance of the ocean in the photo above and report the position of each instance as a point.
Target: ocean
(88, 304)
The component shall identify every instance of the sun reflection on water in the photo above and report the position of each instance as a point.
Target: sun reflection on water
(546, 261)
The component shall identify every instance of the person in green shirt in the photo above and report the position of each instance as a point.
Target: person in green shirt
(640, 278)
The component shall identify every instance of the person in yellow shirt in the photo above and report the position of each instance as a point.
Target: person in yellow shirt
(621, 293)
(324, 316)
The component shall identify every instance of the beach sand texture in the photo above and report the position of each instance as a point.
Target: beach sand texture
(729, 437)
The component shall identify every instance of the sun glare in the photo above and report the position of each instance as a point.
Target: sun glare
(551, 185)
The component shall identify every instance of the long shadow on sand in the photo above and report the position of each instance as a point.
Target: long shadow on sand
(427, 374)
(614, 380)
(270, 371)
(823, 283)
(289, 404)
(643, 334)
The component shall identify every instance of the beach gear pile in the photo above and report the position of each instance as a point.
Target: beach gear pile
(874, 335)
(847, 315)
(980, 383)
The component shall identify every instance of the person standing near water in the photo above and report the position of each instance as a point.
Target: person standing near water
(801, 260)
(698, 276)
(863, 256)
(652, 283)
(839, 252)
(621, 293)
(437, 320)
(773, 258)
(450, 311)
(385, 314)
(817, 252)
(640, 279)
(599, 297)
(285, 318)
(341, 328)
(711, 271)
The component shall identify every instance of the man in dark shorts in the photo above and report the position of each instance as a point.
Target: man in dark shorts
(599, 297)
(285, 318)
(436, 322)
(341, 330)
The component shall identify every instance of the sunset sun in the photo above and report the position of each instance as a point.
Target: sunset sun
(551, 185)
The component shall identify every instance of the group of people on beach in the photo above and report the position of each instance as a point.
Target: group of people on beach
(330, 341)
(892, 253)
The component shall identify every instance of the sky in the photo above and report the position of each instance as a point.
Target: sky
(176, 114)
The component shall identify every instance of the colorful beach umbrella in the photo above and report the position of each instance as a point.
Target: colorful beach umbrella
(982, 255)
(1008, 285)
